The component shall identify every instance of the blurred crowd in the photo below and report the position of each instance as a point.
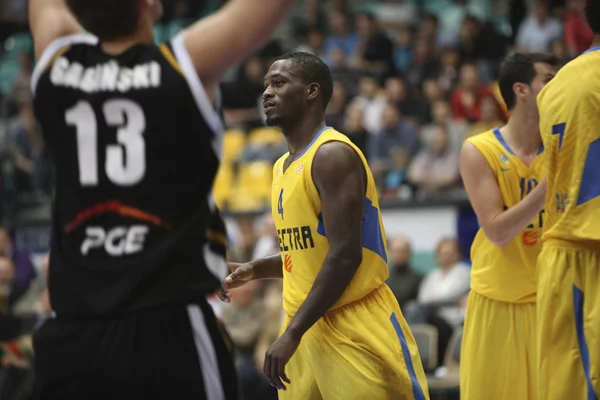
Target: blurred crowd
(413, 79)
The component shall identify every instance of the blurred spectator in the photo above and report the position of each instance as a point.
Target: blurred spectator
(375, 49)
(447, 285)
(442, 115)
(435, 169)
(242, 96)
(244, 318)
(395, 132)
(425, 65)
(489, 117)
(336, 109)
(340, 37)
(577, 34)
(268, 242)
(539, 30)
(449, 66)
(403, 49)
(403, 280)
(243, 248)
(354, 127)
(24, 269)
(10, 290)
(466, 98)
(26, 147)
(315, 40)
(372, 102)
(396, 180)
(341, 73)
(411, 107)
(20, 92)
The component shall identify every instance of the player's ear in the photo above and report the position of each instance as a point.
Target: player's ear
(520, 89)
(312, 91)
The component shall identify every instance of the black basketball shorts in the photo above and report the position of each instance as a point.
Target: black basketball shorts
(170, 352)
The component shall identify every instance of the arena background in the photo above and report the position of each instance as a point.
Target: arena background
(413, 78)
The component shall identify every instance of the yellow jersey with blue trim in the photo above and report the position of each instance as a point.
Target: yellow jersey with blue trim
(570, 127)
(508, 274)
(297, 212)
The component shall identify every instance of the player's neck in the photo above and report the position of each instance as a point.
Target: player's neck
(118, 46)
(522, 132)
(595, 42)
(301, 134)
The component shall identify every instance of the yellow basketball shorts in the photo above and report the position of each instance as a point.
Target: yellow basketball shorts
(568, 325)
(360, 351)
(497, 360)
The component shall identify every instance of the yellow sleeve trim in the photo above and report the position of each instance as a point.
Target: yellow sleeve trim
(168, 54)
(58, 55)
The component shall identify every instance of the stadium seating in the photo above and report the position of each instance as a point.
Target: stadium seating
(234, 142)
(450, 381)
(426, 337)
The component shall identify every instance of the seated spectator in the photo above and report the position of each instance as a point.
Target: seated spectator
(403, 48)
(268, 241)
(435, 169)
(577, 33)
(411, 107)
(539, 30)
(336, 109)
(315, 40)
(466, 98)
(372, 102)
(354, 127)
(425, 64)
(375, 49)
(26, 145)
(403, 281)
(245, 243)
(489, 117)
(442, 292)
(396, 180)
(341, 37)
(396, 132)
(24, 269)
(340, 72)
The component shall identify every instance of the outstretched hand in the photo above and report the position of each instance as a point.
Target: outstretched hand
(240, 274)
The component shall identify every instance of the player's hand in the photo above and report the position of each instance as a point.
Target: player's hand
(240, 274)
(277, 357)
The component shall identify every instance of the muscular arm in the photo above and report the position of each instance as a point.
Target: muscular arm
(268, 267)
(50, 20)
(499, 225)
(340, 178)
(219, 41)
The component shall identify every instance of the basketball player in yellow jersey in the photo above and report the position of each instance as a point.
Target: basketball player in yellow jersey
(503, 173)
(569, 265)
(344, 336)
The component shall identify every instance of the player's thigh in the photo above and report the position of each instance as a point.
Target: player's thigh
(560, 326)
(498, 350)
(369, 344)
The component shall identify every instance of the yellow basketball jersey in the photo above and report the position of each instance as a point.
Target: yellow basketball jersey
(296, 208)
(570, 126)
(508, 274)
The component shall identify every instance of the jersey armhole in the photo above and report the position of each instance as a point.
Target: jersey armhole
(53, 49)
(487, 155)
(210, 113)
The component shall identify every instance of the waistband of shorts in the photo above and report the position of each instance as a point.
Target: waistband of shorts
(586, 245)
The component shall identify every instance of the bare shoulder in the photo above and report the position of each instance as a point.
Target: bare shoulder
(336, 156)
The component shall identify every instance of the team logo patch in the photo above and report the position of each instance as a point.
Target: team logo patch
(278, 171)
(287, 262)
(530, 238)
(504, 159)
(300, 168)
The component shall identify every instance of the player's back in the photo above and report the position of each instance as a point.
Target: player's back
(508, 274)
(570, 129)
(135, 143)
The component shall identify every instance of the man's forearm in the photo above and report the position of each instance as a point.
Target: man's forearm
(269, 267)
(507, 225)
(332, 280)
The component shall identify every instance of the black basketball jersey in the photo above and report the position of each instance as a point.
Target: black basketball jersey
(135, 143)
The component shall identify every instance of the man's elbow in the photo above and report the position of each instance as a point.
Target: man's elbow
(349, 260)
(498, 238)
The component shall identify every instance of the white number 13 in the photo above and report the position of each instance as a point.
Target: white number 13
(125, 162)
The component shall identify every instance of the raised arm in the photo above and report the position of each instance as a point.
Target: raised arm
(221, 40)
(500, 226)
(50, 20)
